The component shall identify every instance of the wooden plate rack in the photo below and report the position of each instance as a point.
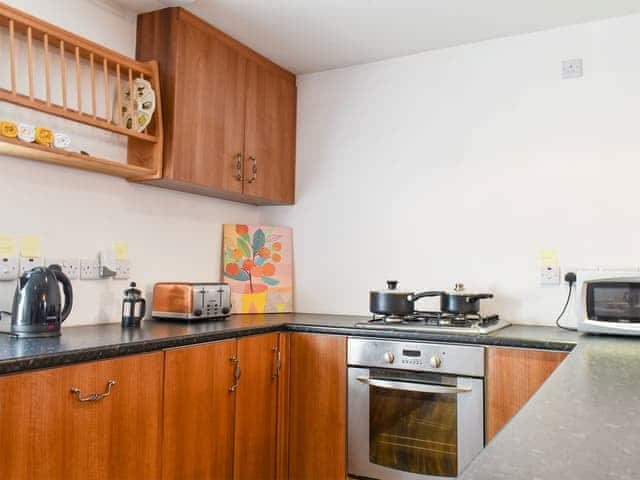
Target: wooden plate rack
(144, 152)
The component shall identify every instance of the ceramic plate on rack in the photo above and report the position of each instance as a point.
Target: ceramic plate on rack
(144, 105)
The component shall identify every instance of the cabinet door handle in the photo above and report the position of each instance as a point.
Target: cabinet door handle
(94, 397)
(276, 374)
(254, 170)
(239, 167)
(236, 373)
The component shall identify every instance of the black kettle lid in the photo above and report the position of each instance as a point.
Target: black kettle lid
(132, 290)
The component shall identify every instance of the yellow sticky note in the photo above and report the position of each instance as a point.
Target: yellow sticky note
(122, 250)
(7, 246)
(549, 258)
(30, 247)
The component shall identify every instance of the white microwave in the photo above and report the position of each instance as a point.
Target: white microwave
(608, 302)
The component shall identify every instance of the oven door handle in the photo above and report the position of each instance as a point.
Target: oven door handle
(412, 387)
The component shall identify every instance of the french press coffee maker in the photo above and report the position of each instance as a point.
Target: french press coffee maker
(133, 307)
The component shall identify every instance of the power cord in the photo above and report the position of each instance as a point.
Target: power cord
(570, 278)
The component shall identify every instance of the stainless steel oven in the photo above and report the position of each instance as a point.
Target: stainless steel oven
(415, 410)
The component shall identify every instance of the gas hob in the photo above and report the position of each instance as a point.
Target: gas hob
(438, 322)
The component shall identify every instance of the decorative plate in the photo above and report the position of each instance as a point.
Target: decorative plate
(144, 105)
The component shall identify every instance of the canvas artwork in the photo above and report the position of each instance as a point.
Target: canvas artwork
(258, 265)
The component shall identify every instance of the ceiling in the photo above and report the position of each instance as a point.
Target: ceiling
(313, 35)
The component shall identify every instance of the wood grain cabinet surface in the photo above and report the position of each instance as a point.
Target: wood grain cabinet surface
(318, 407)
(47, 432)
(513, 375)
(230, 114)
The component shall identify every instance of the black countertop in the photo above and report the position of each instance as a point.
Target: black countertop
(85, 343)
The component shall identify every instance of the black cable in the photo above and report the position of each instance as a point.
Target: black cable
(571, 278)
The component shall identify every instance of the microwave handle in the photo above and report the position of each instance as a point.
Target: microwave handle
(412, 387)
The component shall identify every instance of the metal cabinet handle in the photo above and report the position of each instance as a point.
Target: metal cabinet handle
(239, 167)
(276, 374)
(254, 170)
(236, 374)
(412, 387)
(94, 397)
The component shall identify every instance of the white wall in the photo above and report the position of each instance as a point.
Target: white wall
(460, 165)
(171, 235)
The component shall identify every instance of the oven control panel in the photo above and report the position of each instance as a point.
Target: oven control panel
(417, 356)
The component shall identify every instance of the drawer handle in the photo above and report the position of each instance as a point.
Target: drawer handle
(236, 374)
(254, 170)
(239, 167)
(94, 397)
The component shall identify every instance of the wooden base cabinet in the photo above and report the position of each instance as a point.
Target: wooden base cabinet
(230, 114)
(318, 407)
(48, 431)
(220, 410)
(513, 375)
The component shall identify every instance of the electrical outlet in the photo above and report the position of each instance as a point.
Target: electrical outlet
(572, 68)
(550, 275)
(89, 270)
(123, 270)
(70, 266)
(9, 268)
(27, 263)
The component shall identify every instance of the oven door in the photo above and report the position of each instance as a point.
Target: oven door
(412, 425)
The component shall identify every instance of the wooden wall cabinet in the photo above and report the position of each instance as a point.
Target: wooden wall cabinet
(318, 407)
(220, 410)
(513, 375)
(230, 114)
(47, 432)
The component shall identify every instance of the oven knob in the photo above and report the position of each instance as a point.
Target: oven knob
(389, 357)
(435, 361)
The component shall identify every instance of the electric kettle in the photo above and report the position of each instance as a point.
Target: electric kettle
(37, 306)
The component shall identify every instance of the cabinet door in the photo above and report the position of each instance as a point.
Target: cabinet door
(45, 432)
(513, 375)
(207, 132)
(129, 421)
(199, 412)
(318, 411)
(270, 135)
(256, 408)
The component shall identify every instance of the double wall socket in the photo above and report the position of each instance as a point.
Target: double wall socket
(9, 268)
(89, 270)
(70, 266)
(27, 263)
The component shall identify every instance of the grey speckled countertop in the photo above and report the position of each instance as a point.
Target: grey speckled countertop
(583, 423)
(78, 344)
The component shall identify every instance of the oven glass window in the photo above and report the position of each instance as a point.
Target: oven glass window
(614, 302)
(413, 432)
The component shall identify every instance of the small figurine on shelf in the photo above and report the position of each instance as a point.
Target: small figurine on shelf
(26, 133)
(44, 136)
(61, 140)
(8, 129)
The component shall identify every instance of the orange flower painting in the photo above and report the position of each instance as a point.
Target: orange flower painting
(258, 265)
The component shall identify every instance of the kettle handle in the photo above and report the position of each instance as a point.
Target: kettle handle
(67, 290)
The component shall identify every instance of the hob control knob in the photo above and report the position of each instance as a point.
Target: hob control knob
(389, 357)
(435, 361)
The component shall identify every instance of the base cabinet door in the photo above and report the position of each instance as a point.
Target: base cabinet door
(199, 405)
(45, 432)
(129, 421)
(256, 408)
(70, 423)
(513, 375)
(318, 407)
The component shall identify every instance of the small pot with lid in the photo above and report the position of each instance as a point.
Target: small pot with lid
(399, 303)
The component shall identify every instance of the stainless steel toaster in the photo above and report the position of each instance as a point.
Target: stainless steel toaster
(191, 301)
